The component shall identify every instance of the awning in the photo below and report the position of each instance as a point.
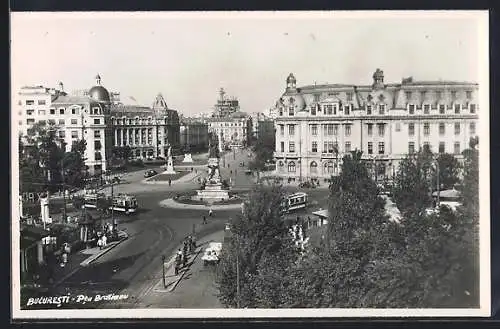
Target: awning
(321, 213)
(447, 194)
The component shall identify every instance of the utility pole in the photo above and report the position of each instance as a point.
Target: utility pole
(65, 210)
(238, 272)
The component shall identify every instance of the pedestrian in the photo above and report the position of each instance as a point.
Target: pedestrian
(104, 240)
(308, 222)
(190, 244)
(231, 172)
(204, 219)
(184, 259)
(191, 169)
(169, 182)
(64, 259)
(210, 212)
(194, 242)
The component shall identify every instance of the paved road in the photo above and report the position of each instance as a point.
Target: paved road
(134, 266)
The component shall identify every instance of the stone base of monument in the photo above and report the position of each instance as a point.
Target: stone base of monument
(212, 193)
(187, 158)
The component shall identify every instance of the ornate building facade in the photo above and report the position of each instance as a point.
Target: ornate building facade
(235, 129)
(148, 131)
(317, 125)
(73, 117)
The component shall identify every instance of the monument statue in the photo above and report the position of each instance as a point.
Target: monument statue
(169, 152)
(213, 148)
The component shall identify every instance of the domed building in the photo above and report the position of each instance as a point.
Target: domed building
(98, 92)
(317, 125)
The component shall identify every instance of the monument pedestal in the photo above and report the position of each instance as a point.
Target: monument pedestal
(212, 192)
(187, 158)
(170, 166)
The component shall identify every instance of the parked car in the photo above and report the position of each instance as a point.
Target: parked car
(150, 173)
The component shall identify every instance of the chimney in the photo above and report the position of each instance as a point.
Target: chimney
(61, 86)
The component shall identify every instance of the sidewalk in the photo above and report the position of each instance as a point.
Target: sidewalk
(83, 258)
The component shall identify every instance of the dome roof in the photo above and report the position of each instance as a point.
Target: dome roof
(297, 101)
(99, 93)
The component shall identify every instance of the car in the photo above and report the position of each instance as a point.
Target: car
(150, 173)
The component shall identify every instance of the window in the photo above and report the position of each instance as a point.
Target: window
(349, 96)
(74, 134)
(314, 147)
(290, 111)
(314, 130)
(291, 130)
(441, 108)
(411, 129)
(381, 109)
(368, 109)
(42, 122)
(370, 148)
(74, 121)
(331, 147)
(41, 102)
(456, 148)
(41, 112)
(282, 130)
(62, 134)
(97, 121)
(468, 94)
(314, 167)
(348, 130)
(457, 108)
(411, 108)
(411, 147)
(427, 109)
(347, 147)
(325, 147)
(61, 121)
(453, 94)
(441, 128)
(408, 95)
(52, 122)
(316, 97)
(291, 147)
(441, 147)
(97, 134)
(423, 93)
(438, 94)
(328, 109)
(329, 128)
(30, 121)
(52, 111)
(370, 129)
(347, 109)
(30, 102)
(291, 166)
(30, 112)
(98, 156)
(398, 126)
(281, 111)
(427, 147)
(328, 168)
(381, 130)
(472, 128)
(282, 144)
(313, 110)
(426, 129)
(97, 145)
(473, 108)
(457, 128)
(74, 111)
(381, 149)
(61, 111)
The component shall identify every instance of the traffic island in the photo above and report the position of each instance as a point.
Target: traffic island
(199, 205)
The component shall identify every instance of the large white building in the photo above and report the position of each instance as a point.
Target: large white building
(317, 125)
(74, 117)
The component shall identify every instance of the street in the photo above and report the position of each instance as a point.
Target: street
(134, 266)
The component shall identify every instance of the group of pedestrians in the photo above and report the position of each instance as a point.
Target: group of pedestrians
(182, 256)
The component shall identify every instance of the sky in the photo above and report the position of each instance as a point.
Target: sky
(188, 57)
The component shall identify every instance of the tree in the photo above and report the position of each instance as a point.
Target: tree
(262, 246)
(449, 171)
(412, 184)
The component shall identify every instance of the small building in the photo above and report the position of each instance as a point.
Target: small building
(320, 219)
(31, 249)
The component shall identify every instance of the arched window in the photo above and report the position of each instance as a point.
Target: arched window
(291, 111)
(291, 166)
(328, 168)
(313, 167)
(280, 166)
